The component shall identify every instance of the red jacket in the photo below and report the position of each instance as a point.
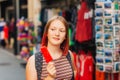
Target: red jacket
(86, 67)
(84, 26)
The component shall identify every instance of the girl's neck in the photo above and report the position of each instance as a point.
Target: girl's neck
(54, 51)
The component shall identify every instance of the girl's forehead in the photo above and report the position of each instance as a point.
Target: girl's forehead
(57, 23)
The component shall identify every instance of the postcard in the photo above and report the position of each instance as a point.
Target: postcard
(116, 5)
(99, 51)
(117, 67)
(116, 31)
(108, 13)
(108, 29)
(116, 17)
(99, 13)
(99, 21)
(104, 0)
(119, 11)
(109, 44)
(99, 28)
(119, 3)
(108, 60)
(117, 43)
(100, 60)
(100, 67)
(108, 36)
(108, 21)
(116, 55)
(108, 5)
(108, 52)
(108, 68)
(98, 5)
(100, 44)
(99, 36)
(119, 17)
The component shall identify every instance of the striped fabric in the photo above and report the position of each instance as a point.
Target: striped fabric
(63, 68)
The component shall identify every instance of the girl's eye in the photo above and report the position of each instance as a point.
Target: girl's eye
(52, 29)
(62, 30)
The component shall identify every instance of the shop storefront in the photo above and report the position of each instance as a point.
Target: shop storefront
(93, 30)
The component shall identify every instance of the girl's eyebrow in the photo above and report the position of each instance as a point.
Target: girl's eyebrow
(52, 26)
(56, 26)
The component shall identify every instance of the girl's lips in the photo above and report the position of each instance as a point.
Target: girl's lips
(56, 38)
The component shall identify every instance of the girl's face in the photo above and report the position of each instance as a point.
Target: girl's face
(56, 33)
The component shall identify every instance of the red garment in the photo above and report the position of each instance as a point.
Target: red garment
(6, 33)
(84, 26)
(100, 75)
(114, 75)
(75, 62)
(75, 58)
(86, 72)
(11, 27)
(119, 76)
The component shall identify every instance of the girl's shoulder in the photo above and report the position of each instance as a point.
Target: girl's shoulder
(71, 54)
(31, 60)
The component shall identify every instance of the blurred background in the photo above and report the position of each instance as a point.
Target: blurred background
(21, 28)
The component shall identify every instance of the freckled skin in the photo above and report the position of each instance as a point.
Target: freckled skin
(56, 33)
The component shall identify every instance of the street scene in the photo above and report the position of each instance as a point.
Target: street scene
(59, 39)
(11, 68)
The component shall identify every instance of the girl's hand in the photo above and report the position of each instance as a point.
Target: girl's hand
(51, 70)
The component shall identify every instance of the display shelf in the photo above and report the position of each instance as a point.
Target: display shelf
(107, 28)
(26, 38)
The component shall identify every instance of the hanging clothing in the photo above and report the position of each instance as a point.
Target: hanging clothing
(119, 76)
(100, 75)
(113, 76)
(2, 23)
(11, 27)
(6, 32)
(86, 66)
(84, 24)
(76, 64)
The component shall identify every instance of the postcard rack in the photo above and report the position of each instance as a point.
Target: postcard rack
(107, 39)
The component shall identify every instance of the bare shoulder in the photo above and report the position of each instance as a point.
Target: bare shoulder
(30, 69)
(31, 59)
(71, 54)
(31, 62)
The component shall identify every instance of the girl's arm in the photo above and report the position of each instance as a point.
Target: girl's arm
(31, 73)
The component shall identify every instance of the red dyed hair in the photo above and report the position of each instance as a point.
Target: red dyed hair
(65, 44)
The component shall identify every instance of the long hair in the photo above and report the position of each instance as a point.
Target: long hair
(65, 44)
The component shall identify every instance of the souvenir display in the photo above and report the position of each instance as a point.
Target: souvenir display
(107, 28)
(26, 38)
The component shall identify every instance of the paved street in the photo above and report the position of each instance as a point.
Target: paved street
(10, 66)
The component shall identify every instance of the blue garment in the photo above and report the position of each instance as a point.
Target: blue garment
(1, 28)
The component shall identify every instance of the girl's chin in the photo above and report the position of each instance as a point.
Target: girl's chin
(56, 44)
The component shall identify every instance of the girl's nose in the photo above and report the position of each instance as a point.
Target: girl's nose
(57, 32)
